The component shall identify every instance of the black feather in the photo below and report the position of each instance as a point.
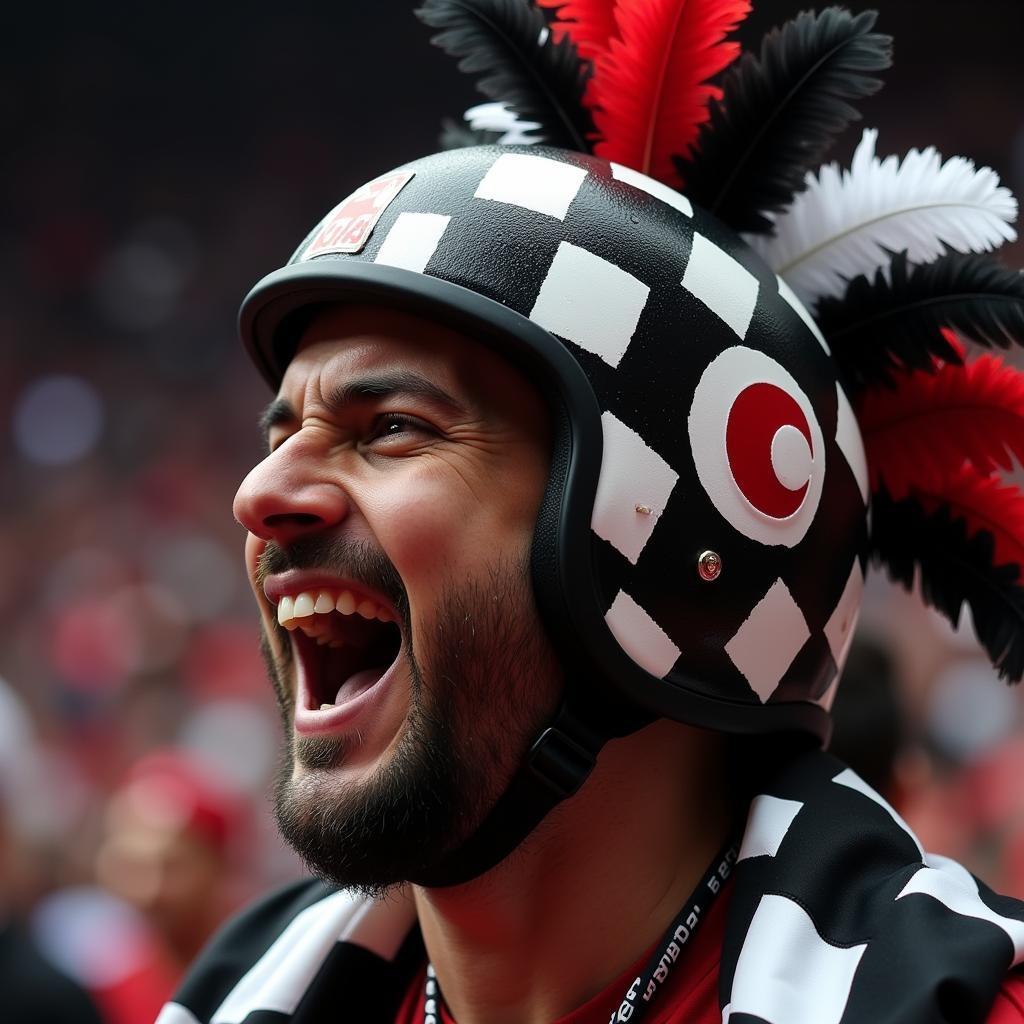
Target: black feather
(888, 325)
(458, 135)
(779, 114)
(954, 568)
(507, 43)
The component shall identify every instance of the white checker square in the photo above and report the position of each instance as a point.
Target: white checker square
(278, 980)
(591, 302)
(532, 182)
(770, 638)
(953, 886)
(667, 195)
(728, 289)
(850, 442)
(768, 822)
(175, 1013)
(640, 636)
(787, 973)
(841, 623)
(632, 475)
(412, 240)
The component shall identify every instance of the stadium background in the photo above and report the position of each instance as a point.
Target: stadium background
(157, 161)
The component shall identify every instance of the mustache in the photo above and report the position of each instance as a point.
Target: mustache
(342, 556)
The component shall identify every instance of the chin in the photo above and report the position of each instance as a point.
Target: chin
(480, 684)
(373, 828)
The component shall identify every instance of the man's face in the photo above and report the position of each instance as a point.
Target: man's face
(389, 537)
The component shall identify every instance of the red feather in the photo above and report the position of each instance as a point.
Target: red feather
(985, 503)
(590, 24)
(920, 433)
(954, 341)
(649, 93)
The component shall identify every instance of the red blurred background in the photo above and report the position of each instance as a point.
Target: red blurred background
(159, 160)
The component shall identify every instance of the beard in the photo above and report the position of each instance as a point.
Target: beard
(483, 684)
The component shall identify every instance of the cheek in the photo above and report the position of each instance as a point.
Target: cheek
(436, 527)
(421, 528)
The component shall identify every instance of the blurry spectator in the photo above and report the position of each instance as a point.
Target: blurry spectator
(871, 731)
(32, 990)
(957, 783)
(971, 721)
(874, 734)
(169, 836)
(127, 618)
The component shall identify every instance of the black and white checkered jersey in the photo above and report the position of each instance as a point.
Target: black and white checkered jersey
(837, 917)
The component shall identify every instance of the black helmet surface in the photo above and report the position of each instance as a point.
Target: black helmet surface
(701, 547)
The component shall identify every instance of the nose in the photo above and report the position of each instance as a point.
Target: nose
(284, 498)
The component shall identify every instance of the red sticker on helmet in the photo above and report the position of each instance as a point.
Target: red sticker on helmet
(347, 227)
(757, 446)
(755, 420)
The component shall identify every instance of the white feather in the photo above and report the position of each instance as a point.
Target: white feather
(850, 222)
(498, 117)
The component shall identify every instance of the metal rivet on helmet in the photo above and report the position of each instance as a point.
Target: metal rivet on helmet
(709, 565)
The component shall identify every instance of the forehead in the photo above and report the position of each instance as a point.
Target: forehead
(343, 341)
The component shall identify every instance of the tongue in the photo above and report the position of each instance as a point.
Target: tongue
(358, 683)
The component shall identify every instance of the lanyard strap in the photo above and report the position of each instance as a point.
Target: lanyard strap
(639, 996)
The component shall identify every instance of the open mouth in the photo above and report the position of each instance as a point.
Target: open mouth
(344, 643)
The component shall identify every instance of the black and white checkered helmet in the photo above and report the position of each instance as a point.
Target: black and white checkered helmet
(701, 547)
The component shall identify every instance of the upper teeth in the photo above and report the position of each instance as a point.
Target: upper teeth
(311, 604)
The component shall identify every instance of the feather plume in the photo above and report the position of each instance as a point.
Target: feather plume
(590, 24)
(848, 222)
(458, 135)
(779, 114)
(507, 44)
(650, 90)
(955, 566)
(894, 322)
(984, 503)
(955, 352)
(919, 433)
(501, 120)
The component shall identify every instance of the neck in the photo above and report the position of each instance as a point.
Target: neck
(590, 891)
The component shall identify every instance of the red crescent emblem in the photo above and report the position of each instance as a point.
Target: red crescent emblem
(756, 416)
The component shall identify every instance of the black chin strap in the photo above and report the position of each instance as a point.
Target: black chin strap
(557, 764)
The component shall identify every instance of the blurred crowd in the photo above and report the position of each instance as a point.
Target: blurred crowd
(158, 167)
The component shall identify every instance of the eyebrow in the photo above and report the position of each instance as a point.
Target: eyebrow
(365, 389)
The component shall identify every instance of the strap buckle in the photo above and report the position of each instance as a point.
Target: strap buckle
(560, 762)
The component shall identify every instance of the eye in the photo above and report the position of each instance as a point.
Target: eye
(399, 427)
